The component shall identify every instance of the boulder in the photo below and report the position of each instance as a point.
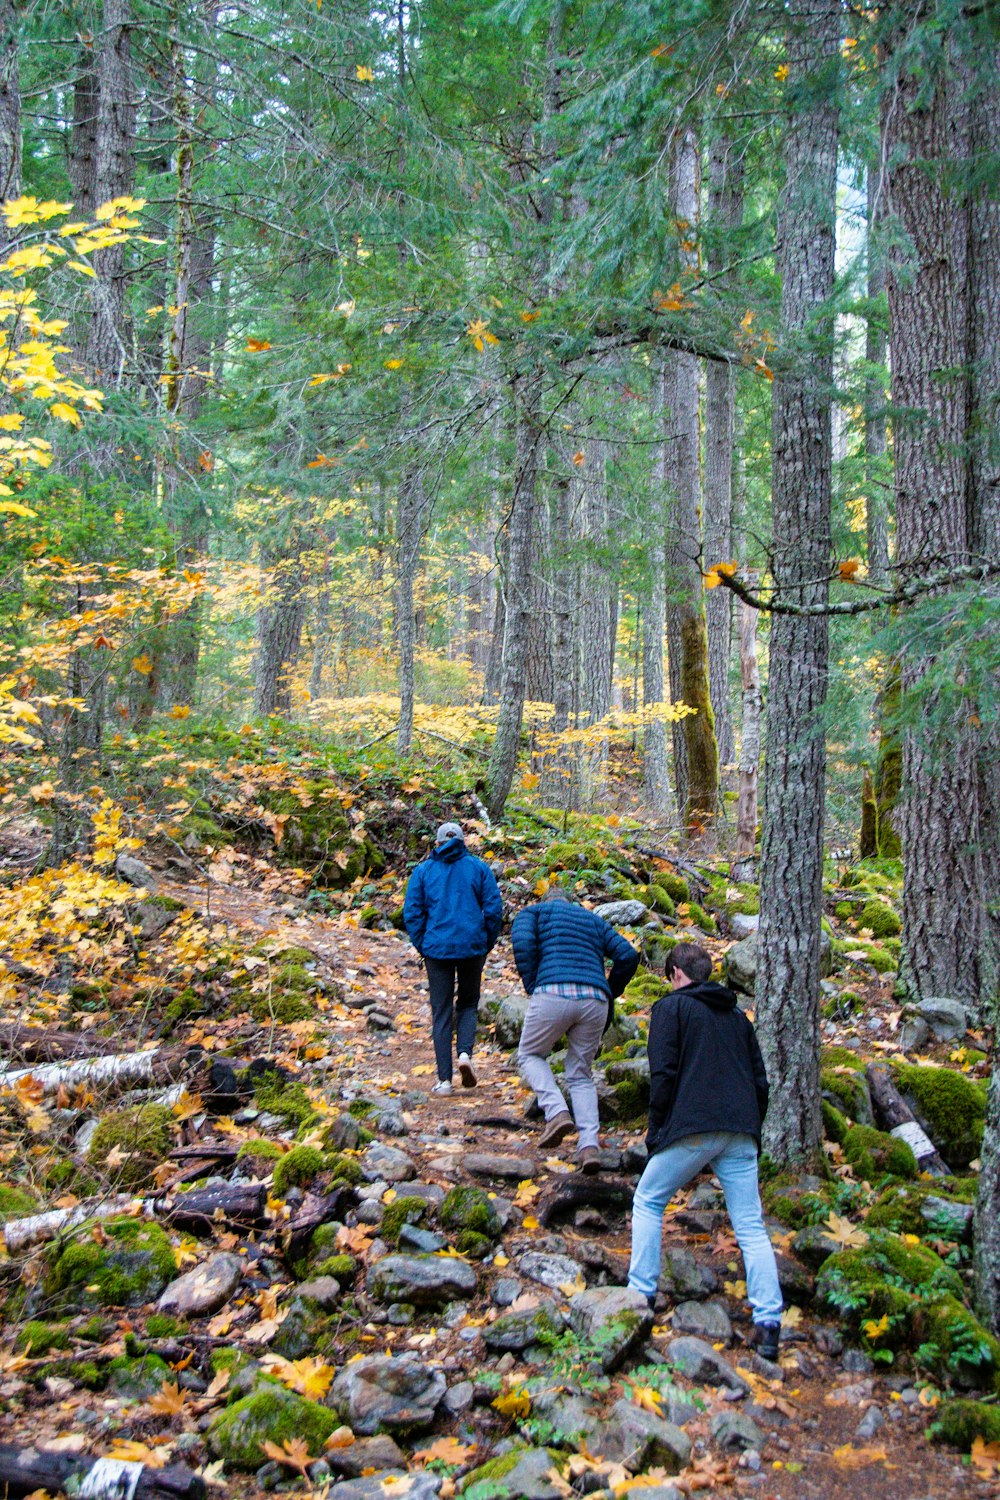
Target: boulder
(641, 1440)
(947, 1019)
(615, 1319)
(741, 924)
(682, 1277)
(700, 1362)
(325, 1291)
(204, 1289)
(134, 872)
(735, 1432)
(382, 1163)
(510, 1020)
(519, 1330)
(521, 1474)
(423, 1280)
(384, 1391)
(913, 1033)
(621, 913)
(554, 1271)
(270, 1413)
(706, 1320)
(740, 962)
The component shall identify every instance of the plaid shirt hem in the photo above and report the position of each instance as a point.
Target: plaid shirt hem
(573, 991)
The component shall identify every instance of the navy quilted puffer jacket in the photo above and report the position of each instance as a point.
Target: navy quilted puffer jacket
(559, 942)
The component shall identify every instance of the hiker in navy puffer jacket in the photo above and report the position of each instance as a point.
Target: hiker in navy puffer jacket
(453, 913)
(561, 950)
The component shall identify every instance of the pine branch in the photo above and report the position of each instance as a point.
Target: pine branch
(905, 594)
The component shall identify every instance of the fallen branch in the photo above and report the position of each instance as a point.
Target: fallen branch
(36, 1044)
(203, 1209)
(21, 1234)
(92, 1072)
(23, 1471)
(898, 1118)
(576, 1190)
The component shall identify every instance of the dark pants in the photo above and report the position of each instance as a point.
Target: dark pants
(448, 1014)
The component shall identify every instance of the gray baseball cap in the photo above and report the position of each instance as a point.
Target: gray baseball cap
(449, 831)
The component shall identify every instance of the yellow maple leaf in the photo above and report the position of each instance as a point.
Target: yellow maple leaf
(363, 74)
(515, 1402)
(845, 1233)
(648, 1398)
(169, 1400)
(985, 1458)
(874, 1329)
(66, 413)
(849, 1457)
(293, 1453)
(127, 1450)
(781, 72)
(446, 1450)
(479, 332)
(847, 569)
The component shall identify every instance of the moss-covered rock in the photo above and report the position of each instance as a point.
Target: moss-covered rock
(955, 1346)
(847, 1089)
(138, 1378)
(923, 1208)
(879, 919)
(287, 1099)
(16, 1202)
(835, 1126)
(129, 1144)
(875, 1154)
(644, 988)
(888, 1279)
(951, 1106)
(343, 1168)
(258, 1156)
(472, 1245)
(297, 1168)
(115, 1263)
(795, 1202)
(699, 916)
(342, 1268)
(657, 899)
(37, 1338)
(674, 885)
(270, 1413)
(960, 1422)
(318, 835)
(401, 1211)
(469, 1208)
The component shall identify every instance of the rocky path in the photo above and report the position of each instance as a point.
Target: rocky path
(479, 1340)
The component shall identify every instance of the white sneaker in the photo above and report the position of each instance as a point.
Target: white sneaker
(469, 1079)
(442, 1087)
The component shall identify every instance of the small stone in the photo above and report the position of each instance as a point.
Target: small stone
(505, 1291)
(387, 1391)
(954, 1220)
(814, 1245)
(386, 1163)
(621, 913)
(700, 1362)
(516, 1331)
(377, 1020)
(323, 1290)
(550, 1270)
(412, 1237)
(946, 1018)
(735, 1432)
(913, 1033)
(641, 1440)
(683, 1277)
(400, 1314)
(204, 1289)
(510, 1168)
(742, 923)
(616, 1318)
(870, 1424)
(707, 1320)
(458, 1398)
(424, 1280)
(134, 872)
(379, 1452)
(856, 1362)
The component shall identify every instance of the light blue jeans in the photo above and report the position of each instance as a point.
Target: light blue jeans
(733, 1159)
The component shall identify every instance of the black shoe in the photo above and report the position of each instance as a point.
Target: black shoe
(768, 1338)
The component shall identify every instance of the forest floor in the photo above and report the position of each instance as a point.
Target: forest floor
(829, 1423)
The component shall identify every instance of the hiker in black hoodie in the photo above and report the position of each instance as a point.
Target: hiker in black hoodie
(708, 1098)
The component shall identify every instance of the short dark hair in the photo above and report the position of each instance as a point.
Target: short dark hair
(692, 960)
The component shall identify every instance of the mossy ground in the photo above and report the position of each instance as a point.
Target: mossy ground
(401, 1211)
(469, 1208)
(16, 1202)
(136, 1141)
(297, 1168)
(129, 1264)
(874, 1154)
(960, 1422)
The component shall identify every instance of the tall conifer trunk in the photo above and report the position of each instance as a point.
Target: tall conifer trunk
(788, 971)
(10, 108)
(656, 774)
(114, 168)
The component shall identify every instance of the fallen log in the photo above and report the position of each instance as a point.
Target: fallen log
(25, 1470)
(32, 1044)
(896, 1116)
(21, 1234)
(240, 1204)
(315, 1209)
(576, 1190)
(118, 1068)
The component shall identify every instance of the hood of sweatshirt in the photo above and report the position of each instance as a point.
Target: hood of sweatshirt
(449, 852)
(715, 996)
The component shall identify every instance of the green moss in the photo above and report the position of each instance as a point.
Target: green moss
(844, 910)
(319, 836)
(880, 920)
(229, 1358)
(841, 1057)
(474, 1246)
(955, 1345)
(881, 961)
(645, 987)
(952, 1105)
(675, 886)
(141, 1135)
(288, 1100)
(162, 1326)
(37, 1338)
(269, 1414)
(259, 1156)
(657, 899)
(136, 1379)
(344, 1168)
(469, 1208)
(95, 1330)
(850, 1092)
(401, 1211)
(342, 1268)
(85, 1372)
(874, 1154)
(130, 1265)
(835, 1127)
(899, 1208)
(960, 1422)
(187, 1003)
(700, 917)
(16, 1202)
(297, 1168)
(360, 1108)
(205, 829)
(791, 1204)
(887, 1278)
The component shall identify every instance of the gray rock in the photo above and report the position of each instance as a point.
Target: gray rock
(952, 1220)
(510, 1020)
(505, 1291)
(458, 1398)
(204, 1289)
(682, 1276)
(700, 1362)
(572, 1418)
(422, 1486)
(614, 1318)
(134, 872)
(735, 1432)
(325, 1291)
(429, 1192)
(856, 1362)
(398, 1392)
(154, 919)
(378, 1020)
(526, 1478)
(549, 1270)
(343, 1133)
(424, 1280)
(796, 1280)
(740, 962)
(387, 1118)
(379, 1452)
(706, 1320)
(621, 913)
(946, 1018)
(814, 1245)
(870, 1423)
(491, 1164)
(622, 1029)
(382, 1163)
(641, 1440)
(516, 1331)
(913, 1033)
(742, 923)
(411, 1237)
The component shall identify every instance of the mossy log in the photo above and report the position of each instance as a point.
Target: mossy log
(23, 1471)
(237, 1203)
(34, 1044)
(893, 1111)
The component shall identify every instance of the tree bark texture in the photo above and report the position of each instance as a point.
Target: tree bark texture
(788, 973)
(10, 109)
(279, 634)
(725, 200)
(749, 764)
(520, 530)
(925, 128)
(83, 135)
(409, 533)
(559, 780)
(689, 640)
(876, 471)
(114, 165)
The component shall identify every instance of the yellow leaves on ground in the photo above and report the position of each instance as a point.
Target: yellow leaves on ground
(718, 572)
(515, 1402)
(309, 1377)
(478, 331)
(293, 1453)
(529, 1222)
(848, 1235)
(170, 1400)
(849, 1457)
(127, 1450)
(446, 1450)
(986, 1459)
(647, 1398)
(527, 1192)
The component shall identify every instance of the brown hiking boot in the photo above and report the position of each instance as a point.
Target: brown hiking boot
(557, 1130)
(588, 1160)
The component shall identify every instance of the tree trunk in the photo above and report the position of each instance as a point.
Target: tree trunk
(690, 637)
(558, 778)
(925, 128)
(744, 863)
(409, 533)
(10, 109)
(791, 892)
(876, 475)
(538, 664)
(656, 776)
(83, 135)
(279, 634)
(519, 529)
(597, 615)
(725, 198)
(114, 163)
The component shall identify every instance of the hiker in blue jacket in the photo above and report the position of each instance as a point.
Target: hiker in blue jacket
(560, 949)
(453, 912)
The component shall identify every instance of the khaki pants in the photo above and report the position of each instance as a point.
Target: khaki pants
(551, 1017)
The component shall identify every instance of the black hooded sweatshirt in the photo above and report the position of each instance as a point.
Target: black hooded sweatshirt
(706, 1071)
